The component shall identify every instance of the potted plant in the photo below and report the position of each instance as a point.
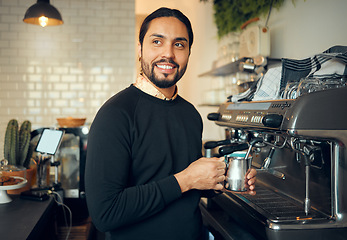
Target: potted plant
(230, 15)
(18, 151)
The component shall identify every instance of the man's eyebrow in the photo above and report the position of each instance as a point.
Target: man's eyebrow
(162, 36)
(157, 35)
(181, 39)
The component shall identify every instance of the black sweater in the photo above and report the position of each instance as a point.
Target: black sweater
(136, 144)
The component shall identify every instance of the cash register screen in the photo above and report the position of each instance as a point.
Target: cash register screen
(49, 141)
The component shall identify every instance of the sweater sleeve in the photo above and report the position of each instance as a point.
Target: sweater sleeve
(112, 201)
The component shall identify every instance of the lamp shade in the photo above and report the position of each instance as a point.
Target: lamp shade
(43, 13)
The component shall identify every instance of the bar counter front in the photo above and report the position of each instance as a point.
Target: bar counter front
(27, 219)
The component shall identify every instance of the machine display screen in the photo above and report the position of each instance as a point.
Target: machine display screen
(249, 106)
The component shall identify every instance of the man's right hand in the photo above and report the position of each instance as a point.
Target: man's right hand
(203, 174)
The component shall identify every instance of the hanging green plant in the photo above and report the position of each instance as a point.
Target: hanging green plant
(229, 15)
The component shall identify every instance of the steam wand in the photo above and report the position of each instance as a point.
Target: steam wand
(306, 153)
(251, 144)
(307, 203)
(266, 164)
(267, 160)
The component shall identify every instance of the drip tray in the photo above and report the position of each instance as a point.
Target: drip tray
(276, 207)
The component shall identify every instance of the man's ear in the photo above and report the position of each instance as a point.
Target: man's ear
(139, 52)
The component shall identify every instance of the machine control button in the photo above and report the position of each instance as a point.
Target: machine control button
(242, 118)
(272, 120)
(226, 117)
(213, 116)
(256, 119)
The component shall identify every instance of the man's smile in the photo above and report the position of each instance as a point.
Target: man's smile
(162, 66)
(166, 67)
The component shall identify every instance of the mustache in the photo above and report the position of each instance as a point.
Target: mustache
(167, 61)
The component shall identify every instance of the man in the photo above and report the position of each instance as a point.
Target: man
(144, 169)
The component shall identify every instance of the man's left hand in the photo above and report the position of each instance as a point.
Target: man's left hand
(250, 181)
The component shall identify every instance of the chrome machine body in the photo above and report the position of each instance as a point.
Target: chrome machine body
(301, 157)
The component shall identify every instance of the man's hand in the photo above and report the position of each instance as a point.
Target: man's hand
(250, 181)
(203, 174)
(208, 173)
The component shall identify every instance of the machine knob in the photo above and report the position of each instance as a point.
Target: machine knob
(213, 116)
(272, 120)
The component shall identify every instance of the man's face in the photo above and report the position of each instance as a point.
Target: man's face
(165, 51)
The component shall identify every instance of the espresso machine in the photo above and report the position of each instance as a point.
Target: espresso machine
(298, 147)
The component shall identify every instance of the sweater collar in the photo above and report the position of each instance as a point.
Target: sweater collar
(144, 85)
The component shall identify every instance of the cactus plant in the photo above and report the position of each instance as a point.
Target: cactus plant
(24, 142)
(11, 141)
(17, 143)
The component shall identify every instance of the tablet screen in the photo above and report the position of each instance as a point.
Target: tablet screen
(49, 141)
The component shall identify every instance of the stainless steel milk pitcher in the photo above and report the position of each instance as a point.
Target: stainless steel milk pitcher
(237, 168)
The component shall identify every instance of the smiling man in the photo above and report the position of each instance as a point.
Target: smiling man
(144, 170)
(164, 52)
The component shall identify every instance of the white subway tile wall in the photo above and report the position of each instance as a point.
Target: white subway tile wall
(66, 70)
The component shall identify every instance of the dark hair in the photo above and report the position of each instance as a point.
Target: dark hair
(166, 12)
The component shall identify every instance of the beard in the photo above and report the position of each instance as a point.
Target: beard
(156, 80)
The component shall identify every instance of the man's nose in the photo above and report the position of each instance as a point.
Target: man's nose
(168, 51)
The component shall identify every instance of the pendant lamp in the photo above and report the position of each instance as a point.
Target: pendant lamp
(44, 14)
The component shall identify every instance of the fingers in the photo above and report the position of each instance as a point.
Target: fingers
(219, 186)
(251, 173)
(251, 180)
(205, 173)
(221, 178)
(252, 192)
(209, 173)
(220, 173)
(221, 162)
